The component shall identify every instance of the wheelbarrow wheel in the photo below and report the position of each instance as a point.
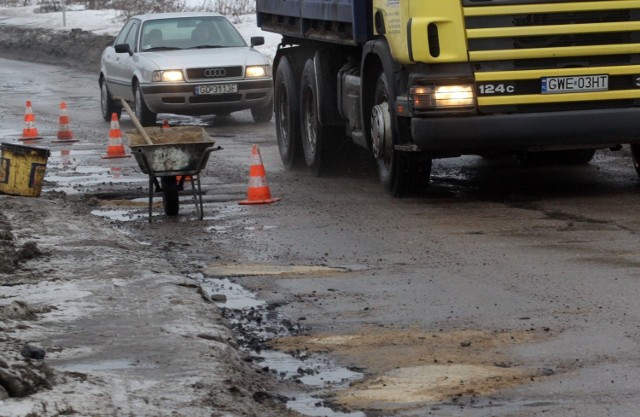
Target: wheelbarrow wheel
(170, 198)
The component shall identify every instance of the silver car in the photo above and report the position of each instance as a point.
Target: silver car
(184, 63)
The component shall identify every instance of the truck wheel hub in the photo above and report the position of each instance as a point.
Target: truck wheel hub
(380, 128)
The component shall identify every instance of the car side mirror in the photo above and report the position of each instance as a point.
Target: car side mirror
(257, 40)
(123, 48)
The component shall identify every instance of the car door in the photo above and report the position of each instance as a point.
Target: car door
(122, 65)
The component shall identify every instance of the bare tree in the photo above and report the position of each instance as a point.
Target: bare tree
(230, 8)
(128, 8)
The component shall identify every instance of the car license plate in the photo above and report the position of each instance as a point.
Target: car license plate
(216, 89)
(578, 84)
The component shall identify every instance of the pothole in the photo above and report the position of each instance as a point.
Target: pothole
(405, 368)
(244, 270)
(255, 323)
(411, 367)
(429, 384)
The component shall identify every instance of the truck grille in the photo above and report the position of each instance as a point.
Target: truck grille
(516, 43)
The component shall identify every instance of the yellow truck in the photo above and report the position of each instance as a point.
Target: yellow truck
(416, 80)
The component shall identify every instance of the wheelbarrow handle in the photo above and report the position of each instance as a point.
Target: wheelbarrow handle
(136, 122)
(205, 155)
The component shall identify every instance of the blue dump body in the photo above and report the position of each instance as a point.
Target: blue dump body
(337, 21)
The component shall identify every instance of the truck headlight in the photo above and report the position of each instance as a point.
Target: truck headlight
(167, 76)
(442, 97)
(256, 71)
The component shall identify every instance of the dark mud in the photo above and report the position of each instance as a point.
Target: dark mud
(76, 48)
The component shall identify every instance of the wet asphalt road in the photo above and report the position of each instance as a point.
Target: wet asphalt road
(533, 270)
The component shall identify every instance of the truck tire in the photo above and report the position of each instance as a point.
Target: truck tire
(564, 157)
(635, 155)
(400, 174)
(286, 96)
(577, 156)
(314, 136)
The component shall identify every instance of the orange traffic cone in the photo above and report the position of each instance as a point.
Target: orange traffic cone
(29, 132)
(116, 172)
(65, 155)
(64, 131)
(165, 124)
(115, 148)
(258, 192)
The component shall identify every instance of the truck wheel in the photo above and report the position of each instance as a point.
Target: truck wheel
(635, 155)
(576, 157)
(108, 105)
(287, 114)
(564, 157)
(314, 135)
(170, 197)
(145, 116)
(399, 173)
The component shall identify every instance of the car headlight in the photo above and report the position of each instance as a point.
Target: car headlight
(167, 76)
(256, 71)
(442, 97)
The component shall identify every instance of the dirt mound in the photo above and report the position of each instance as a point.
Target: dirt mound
(75, 48)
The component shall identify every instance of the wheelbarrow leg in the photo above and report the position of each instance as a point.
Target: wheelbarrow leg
(151, 190)
(200, 197)
(197, 195)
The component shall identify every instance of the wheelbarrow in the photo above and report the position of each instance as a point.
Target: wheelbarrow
(169, 156)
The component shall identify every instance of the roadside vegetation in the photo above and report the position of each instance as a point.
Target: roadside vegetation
(127, 8)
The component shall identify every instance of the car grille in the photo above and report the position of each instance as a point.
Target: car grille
(214, 73)
(506, 42)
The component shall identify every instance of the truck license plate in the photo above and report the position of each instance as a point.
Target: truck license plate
(577, 84)
(216, 89)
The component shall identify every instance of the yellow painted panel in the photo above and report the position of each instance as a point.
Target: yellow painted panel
(552, 8)
(506, 32)
(556, 72)
(558, 98)
(447, 16)
(554, 52)
(395, 26)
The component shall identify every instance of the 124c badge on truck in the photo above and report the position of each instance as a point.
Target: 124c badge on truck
(496, 89)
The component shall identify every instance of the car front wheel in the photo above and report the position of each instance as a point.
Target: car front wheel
(108, 105)
(145, 116)
(262, 114)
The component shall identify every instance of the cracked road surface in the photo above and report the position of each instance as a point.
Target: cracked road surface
(508, 290)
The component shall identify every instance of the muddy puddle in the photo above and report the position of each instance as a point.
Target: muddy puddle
(105, 365)
(411, 367)
(255, 323)
(399, 369)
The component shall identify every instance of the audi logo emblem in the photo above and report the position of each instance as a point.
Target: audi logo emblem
(214, 72)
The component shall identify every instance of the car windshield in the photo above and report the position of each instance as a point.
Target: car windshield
(188, 33)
